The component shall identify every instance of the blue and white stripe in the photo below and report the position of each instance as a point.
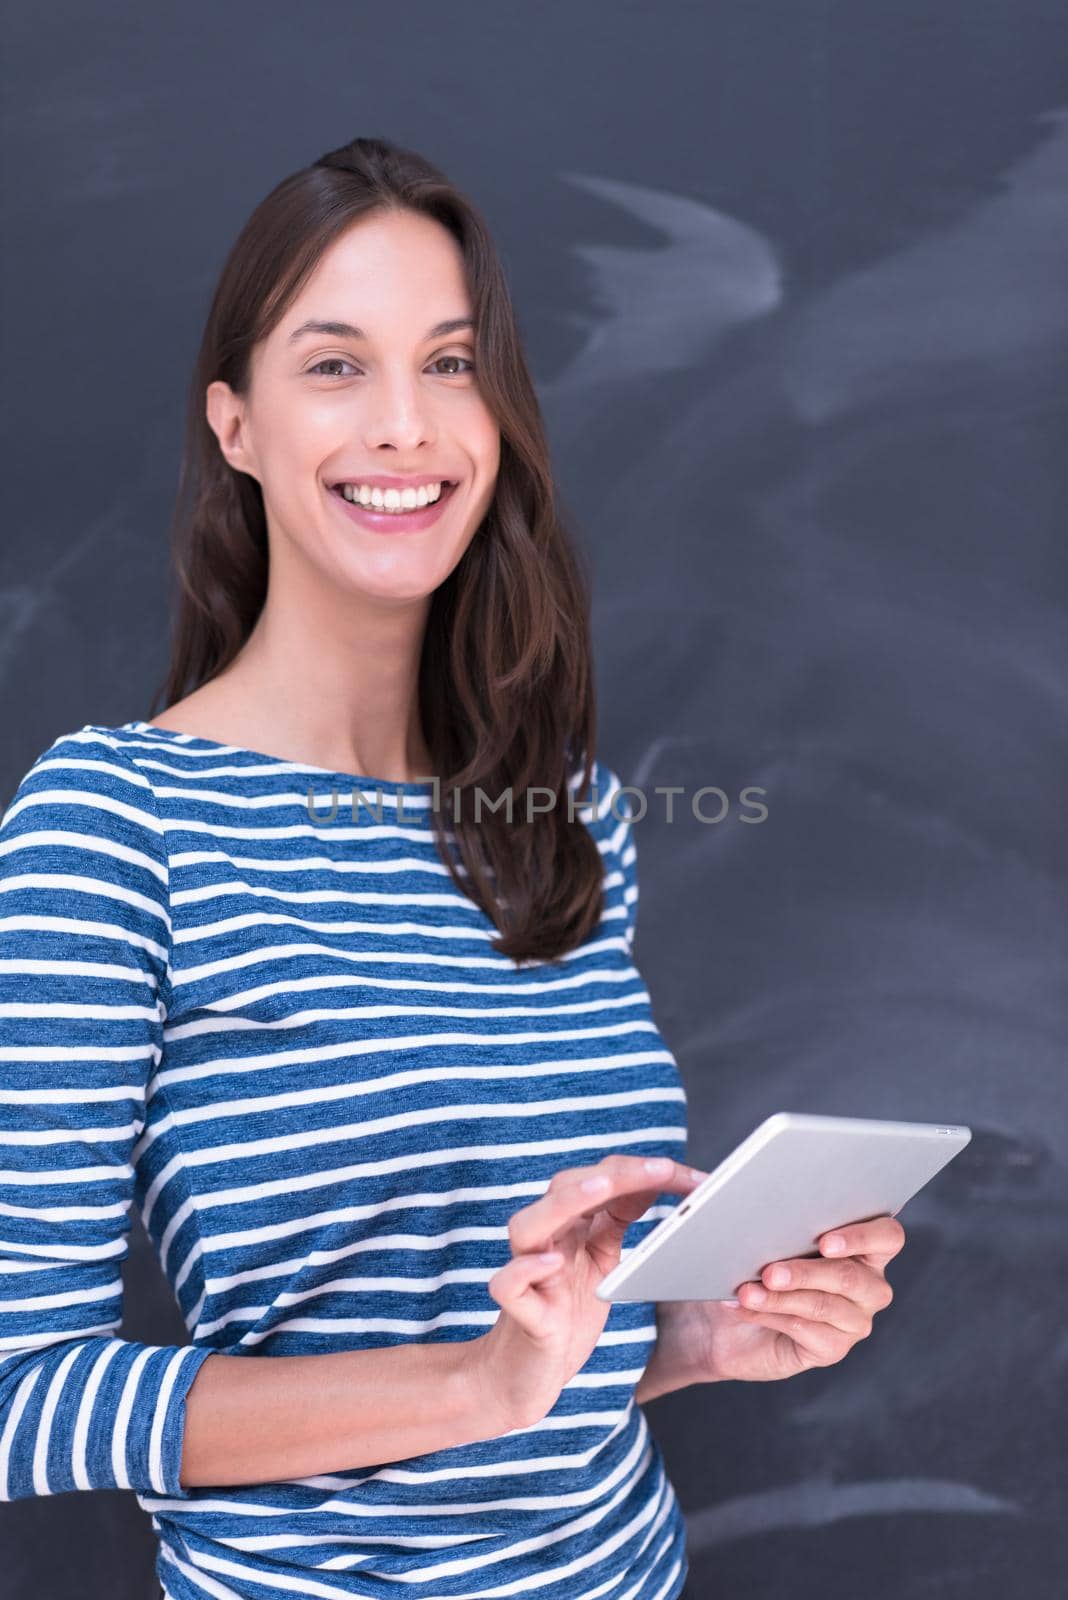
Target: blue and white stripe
(289, 1043)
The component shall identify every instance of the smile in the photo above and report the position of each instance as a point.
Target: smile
(386, 519)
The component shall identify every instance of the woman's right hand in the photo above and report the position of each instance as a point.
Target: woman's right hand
(550, 1317)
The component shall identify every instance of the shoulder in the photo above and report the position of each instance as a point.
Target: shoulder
(607, 809)
(609, 814)
(83, 856)
(88, 780)
(95, 757)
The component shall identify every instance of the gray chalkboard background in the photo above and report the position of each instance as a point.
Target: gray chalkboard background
(793, 277)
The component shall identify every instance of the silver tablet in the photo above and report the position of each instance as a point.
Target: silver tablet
(792, 1180)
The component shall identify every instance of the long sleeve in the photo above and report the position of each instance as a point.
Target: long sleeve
(628, 863)
(624, 853)
(84, 962)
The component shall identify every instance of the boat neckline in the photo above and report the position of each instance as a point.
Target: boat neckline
(363, 780)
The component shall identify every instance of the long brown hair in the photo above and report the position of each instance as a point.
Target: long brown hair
(506, 685)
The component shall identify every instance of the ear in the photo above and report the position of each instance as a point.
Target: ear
(225, 412)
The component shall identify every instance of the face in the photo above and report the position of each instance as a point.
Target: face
(396, 400)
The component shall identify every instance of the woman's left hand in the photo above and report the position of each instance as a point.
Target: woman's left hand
(812, 1318)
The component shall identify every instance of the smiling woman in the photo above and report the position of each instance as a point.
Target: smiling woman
(352, 1076)
(362, 333)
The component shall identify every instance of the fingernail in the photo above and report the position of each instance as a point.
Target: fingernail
(732, 1302)
(594, 1185)
(659, 1165)
(834, 1244)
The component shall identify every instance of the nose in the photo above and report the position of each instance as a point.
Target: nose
(397, 413)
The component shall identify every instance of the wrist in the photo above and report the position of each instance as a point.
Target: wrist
(680, 1356)
(474, 1396)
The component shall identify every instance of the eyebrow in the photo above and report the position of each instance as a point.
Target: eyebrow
(348, 330)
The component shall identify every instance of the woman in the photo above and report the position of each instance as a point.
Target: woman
(376, 1068)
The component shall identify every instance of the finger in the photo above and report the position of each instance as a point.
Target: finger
(818, 1343)
(625, 1184)
(851, 1279)
(876, 1241)
(815, 1305)
(515, 1288)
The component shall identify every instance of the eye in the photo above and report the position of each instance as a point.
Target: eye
(340, 361)
(469, 364)
(329, 361)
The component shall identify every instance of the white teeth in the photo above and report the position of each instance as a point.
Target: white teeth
(392, 499)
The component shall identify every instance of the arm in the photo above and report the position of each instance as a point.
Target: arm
(262, 1419)
(84, 941)
(669, 1367)
(84, 956)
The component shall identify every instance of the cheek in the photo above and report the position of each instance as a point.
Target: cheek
(293, 472)
(486, 450)
(478, 429)
(303, 435)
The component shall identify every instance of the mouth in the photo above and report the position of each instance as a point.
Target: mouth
(379, 520)
(451, 482)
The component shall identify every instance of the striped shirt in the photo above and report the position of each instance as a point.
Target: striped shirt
(278, 1028)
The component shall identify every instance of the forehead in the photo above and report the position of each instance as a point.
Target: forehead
(393, 270)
